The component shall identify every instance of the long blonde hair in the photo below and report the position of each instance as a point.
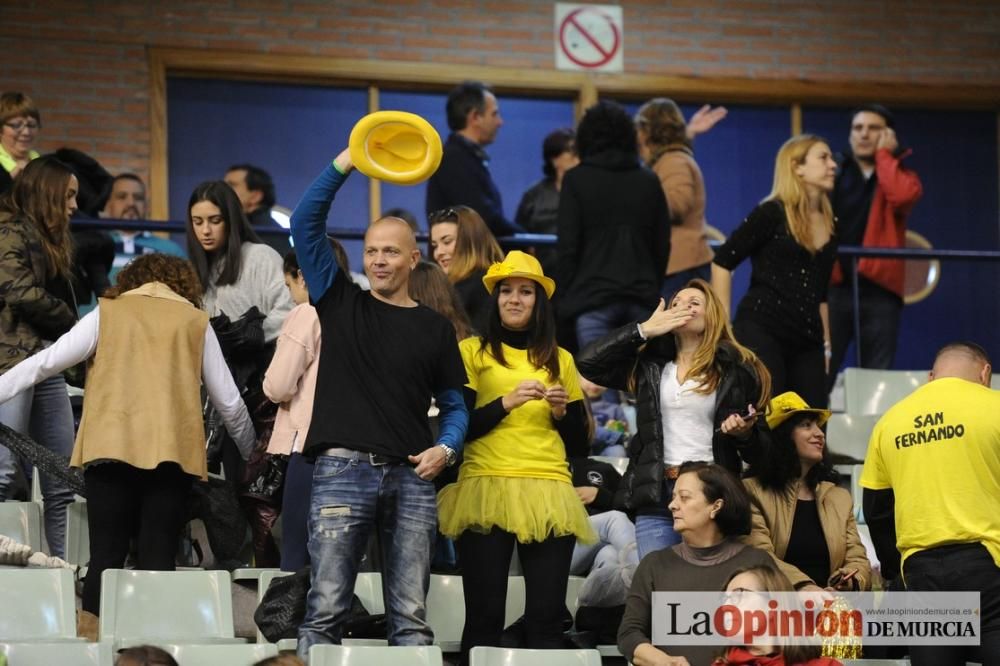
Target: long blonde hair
(789, 191)
(704, 369)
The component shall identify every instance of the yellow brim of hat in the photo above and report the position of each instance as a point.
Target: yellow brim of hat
(395, 146)
(548, 284)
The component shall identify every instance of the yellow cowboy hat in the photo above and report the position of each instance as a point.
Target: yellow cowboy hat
(518, 264)
(785, 406)
(396, 147)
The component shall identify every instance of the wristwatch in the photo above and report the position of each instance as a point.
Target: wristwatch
(449, 454)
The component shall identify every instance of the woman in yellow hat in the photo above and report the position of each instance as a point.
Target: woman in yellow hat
(514, 487)
(800, 515)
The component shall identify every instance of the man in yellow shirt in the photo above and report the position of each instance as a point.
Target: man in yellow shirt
(935, 455)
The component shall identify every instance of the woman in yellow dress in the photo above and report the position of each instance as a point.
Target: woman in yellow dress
(514, 487)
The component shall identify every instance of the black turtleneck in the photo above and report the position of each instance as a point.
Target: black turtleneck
(572, 427)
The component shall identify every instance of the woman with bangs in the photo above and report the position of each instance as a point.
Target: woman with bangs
(464, 247)
(514, 489)
(141, 442)
(698, 392)
(790, 242)
(36, 253)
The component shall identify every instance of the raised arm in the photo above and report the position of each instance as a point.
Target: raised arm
(308, 227)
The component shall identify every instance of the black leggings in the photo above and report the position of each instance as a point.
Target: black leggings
(125, 502)
(485, 561)
(794, 365)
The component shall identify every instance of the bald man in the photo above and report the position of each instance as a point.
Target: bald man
(932, 492)
(384, 357)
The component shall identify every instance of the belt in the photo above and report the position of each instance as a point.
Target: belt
(373, 458)
(671, 472)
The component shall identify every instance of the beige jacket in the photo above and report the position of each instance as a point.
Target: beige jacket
(774, 512)
(685, 189)
(291, 379)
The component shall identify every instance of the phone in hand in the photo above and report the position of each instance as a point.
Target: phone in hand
(751, 412)
(840, 578)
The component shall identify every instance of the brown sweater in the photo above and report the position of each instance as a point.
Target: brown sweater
(679, 569)
(685, 189)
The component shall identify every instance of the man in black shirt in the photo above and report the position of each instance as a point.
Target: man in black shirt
(383, 357)
(255, 190)
(464, 177)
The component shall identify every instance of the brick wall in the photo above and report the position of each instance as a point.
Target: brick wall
(85, 62)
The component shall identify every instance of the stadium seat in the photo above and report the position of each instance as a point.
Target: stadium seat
(446, 611)
(166, 607)
(77, 534)
(619, 463)
(368, 655)
(77, 653)
(875, 391)
(22, 522)
(494, 656)
(37, 605)
(368, 587)
(848, 434)
(214, 655)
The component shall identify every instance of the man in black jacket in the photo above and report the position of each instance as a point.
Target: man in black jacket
(464, 177)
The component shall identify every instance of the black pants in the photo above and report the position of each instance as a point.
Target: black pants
(795, 365)
(880, 314)
(485, 561)
(124, 502)
(961, 567)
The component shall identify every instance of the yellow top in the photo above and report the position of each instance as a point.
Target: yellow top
(525, 443)
(939, 451)
(8, 162)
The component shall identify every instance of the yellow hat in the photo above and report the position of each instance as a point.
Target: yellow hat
(783, 407)
(396, 147)
(518, 264)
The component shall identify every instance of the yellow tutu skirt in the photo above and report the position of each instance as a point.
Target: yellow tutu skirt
(531, 509)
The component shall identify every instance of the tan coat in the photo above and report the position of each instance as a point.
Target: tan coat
(685, 189)
(774, 512)
(143, 404)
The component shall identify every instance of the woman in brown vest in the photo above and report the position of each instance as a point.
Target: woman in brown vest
(141, 441)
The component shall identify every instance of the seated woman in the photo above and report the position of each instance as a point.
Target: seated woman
(799, 515)
(766, 578)
(710, 510)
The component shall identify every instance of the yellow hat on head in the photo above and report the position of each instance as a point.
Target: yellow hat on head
(785, 406)
(396, 147)
(518, 264)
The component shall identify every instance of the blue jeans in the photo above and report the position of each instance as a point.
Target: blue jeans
(675, 282)
(295, 504)
(595, 324)
(43, 413)
(654, 527)
(350, 498)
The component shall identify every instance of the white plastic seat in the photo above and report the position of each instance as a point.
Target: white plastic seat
(251, 574)
(213, 655)
(77, 534)
(494, 656)
(166, 607)
(620, 463)
(37, 605)
(368, 587)
(369, 655)
(77, 653)
(848, 434)
(446, 611)
(875, 391)
(22, 522)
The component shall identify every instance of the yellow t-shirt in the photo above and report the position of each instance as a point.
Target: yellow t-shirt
(525, 443)
(939, 452)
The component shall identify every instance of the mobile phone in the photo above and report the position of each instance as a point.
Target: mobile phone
(843, 577)
(745, 417)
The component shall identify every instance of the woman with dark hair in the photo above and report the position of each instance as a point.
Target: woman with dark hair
(464, 247)
(539, 208)
(697, 390)
(790, 242)
(666, 147)
(236, 269)
(800, 515)
(747, 589)
(36, 254)
(514, 487)
(141, 442)
(711, 510)
(613, 226)
(430, 286)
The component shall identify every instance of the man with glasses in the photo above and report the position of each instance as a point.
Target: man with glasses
(21, 122)
(464, 176)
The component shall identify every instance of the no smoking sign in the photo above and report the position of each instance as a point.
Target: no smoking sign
(589, 37)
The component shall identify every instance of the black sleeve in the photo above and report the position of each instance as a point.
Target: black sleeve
(661, 226)
(457, 182)
(756, 230)
(609, 361)
(880, 516)
(484, 419)
(573, 430)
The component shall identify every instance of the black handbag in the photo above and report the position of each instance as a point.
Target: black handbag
(268, 485)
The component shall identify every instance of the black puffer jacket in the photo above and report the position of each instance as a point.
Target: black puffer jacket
(610, 361)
